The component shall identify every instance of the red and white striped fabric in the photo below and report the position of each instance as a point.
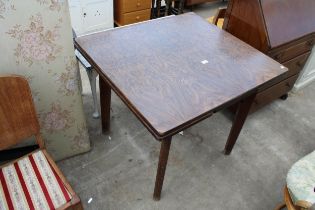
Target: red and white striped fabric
(31, 183)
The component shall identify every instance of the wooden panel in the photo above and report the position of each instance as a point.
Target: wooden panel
(157, 69)
(279, 28)
(273, 93)
(134, 17)
(118, 8)
(245, 21)
(288, 20)
(289, 52)
(17, 114)
(135, 5)
(296, 64)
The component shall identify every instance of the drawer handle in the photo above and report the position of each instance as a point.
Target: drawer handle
(138, 17)
(138, 4)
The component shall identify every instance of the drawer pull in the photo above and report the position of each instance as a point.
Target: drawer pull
(138, 4)
(138, 17)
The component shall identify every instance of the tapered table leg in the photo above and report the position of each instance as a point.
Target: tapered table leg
(165, 147)
(105, 98)
(239, 120)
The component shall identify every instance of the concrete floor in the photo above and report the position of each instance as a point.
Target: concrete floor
(119, 172)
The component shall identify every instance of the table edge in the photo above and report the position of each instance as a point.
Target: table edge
(162, 135)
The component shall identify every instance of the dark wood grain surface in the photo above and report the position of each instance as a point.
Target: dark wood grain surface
(288, 20)
(156, 68)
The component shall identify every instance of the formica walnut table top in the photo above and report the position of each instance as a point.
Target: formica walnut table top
(175, 71)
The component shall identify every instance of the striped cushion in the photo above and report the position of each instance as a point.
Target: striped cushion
(31, 183)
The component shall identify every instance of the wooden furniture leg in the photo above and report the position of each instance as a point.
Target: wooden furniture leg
(167, 6)
(181, 7)
(165, 147)
(105, 98)
(288, 201)
(280, 206)
(239, 120)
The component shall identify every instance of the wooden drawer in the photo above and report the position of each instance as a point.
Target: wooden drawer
(295, 65)
(284, 54)
(273, 93)
(125, 6)
(136, 5)
(134, 17)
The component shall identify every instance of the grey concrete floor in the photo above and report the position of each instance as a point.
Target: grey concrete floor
(119, 172)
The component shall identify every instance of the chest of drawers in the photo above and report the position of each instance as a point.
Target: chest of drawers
(131, 11)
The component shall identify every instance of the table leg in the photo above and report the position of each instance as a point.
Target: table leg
(165, 147)
(239, 120)
(105, 98)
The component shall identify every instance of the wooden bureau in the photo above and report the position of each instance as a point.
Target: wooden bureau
(131, 11)
(284, 30)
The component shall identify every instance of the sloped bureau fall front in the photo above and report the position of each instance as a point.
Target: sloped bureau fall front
(284, 30)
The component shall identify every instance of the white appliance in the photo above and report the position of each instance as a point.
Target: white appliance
(89, 16)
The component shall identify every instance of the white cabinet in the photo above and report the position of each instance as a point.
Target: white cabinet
(89, 16)
(308, 74)
(76, 15)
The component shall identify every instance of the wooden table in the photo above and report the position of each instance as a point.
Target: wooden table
(174, 72)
